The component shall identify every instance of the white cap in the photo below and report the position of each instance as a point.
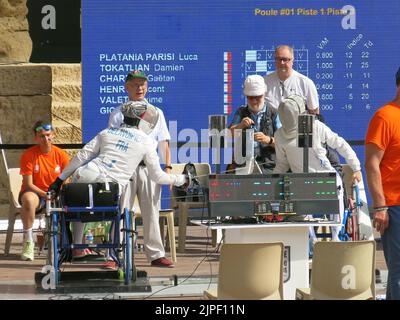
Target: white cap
(254, 86)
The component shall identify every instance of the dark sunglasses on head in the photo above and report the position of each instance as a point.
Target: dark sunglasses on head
(45, 127)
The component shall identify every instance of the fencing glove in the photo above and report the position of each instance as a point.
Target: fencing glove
(55, 187)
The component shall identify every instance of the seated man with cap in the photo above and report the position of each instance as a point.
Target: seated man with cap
(115, 153)
(257, 115)
(147, 191)
(290, 157)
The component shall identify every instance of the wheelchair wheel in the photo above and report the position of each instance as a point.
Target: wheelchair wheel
(132, 242)
(51, 244)
(55, 245)
(351, 227)
(48, 241)
(129, 272)
(354, 227)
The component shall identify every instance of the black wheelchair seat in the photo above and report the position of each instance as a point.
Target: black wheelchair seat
(88, 195)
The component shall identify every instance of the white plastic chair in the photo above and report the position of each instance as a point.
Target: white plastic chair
(15, 180)
(341, 270)
(249, 271)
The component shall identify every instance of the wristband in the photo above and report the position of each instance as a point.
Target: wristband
(380, 209)
(271, 140)
(168, 167)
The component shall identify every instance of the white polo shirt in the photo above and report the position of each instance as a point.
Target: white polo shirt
(297, 83)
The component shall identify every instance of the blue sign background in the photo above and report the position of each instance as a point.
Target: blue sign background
(209, 47)
(349, 94)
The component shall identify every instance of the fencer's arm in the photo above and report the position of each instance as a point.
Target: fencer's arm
(338, 143)
(89, 151)
(157, 174)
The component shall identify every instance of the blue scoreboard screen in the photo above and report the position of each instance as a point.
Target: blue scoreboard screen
(197, 54)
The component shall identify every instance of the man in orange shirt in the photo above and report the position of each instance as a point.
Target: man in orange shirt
(382, 164)
(40, 166)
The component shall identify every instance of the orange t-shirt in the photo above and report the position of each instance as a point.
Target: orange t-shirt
(44, 168)
(384, 132)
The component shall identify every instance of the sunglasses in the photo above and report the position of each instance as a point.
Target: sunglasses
(45, 127)
(254, 97)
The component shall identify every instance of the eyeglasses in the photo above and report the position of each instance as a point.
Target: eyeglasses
(45, 127)
(254, 97)
(282, 59)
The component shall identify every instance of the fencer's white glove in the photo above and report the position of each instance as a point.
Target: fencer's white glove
(181, 179)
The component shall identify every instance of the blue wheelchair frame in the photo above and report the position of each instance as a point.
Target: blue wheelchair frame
(351, 217)
(348, 215)
(57, 217)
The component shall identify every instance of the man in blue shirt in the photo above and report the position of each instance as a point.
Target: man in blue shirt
(260, 117)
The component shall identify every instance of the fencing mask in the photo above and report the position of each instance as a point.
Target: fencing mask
(140, 114)
(289, 110)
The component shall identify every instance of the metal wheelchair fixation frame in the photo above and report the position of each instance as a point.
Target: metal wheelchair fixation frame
(125, 279)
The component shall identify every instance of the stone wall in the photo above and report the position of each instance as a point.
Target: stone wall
(15, 42)
(31, 92)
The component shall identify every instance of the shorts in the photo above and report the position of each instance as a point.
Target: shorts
(42, 201)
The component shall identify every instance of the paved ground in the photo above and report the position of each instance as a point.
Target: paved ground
(195, 271)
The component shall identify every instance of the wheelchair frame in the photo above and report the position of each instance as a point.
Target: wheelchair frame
(350, 225)
(58, 243)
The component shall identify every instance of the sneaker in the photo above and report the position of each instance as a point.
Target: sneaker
(27, 251)
(110, 264)
(163, 263)
(78, 253)
(91, 253)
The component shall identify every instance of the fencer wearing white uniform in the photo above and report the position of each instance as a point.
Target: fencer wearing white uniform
(290, 156)
(148, 191)
(115, 153)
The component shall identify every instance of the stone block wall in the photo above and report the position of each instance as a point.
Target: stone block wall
(15, 42)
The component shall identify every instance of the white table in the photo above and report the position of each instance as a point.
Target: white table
(294, 236)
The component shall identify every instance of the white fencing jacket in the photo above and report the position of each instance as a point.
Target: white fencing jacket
(116, 153)
(290, 156)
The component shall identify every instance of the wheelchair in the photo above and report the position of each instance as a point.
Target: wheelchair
(89, 202)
